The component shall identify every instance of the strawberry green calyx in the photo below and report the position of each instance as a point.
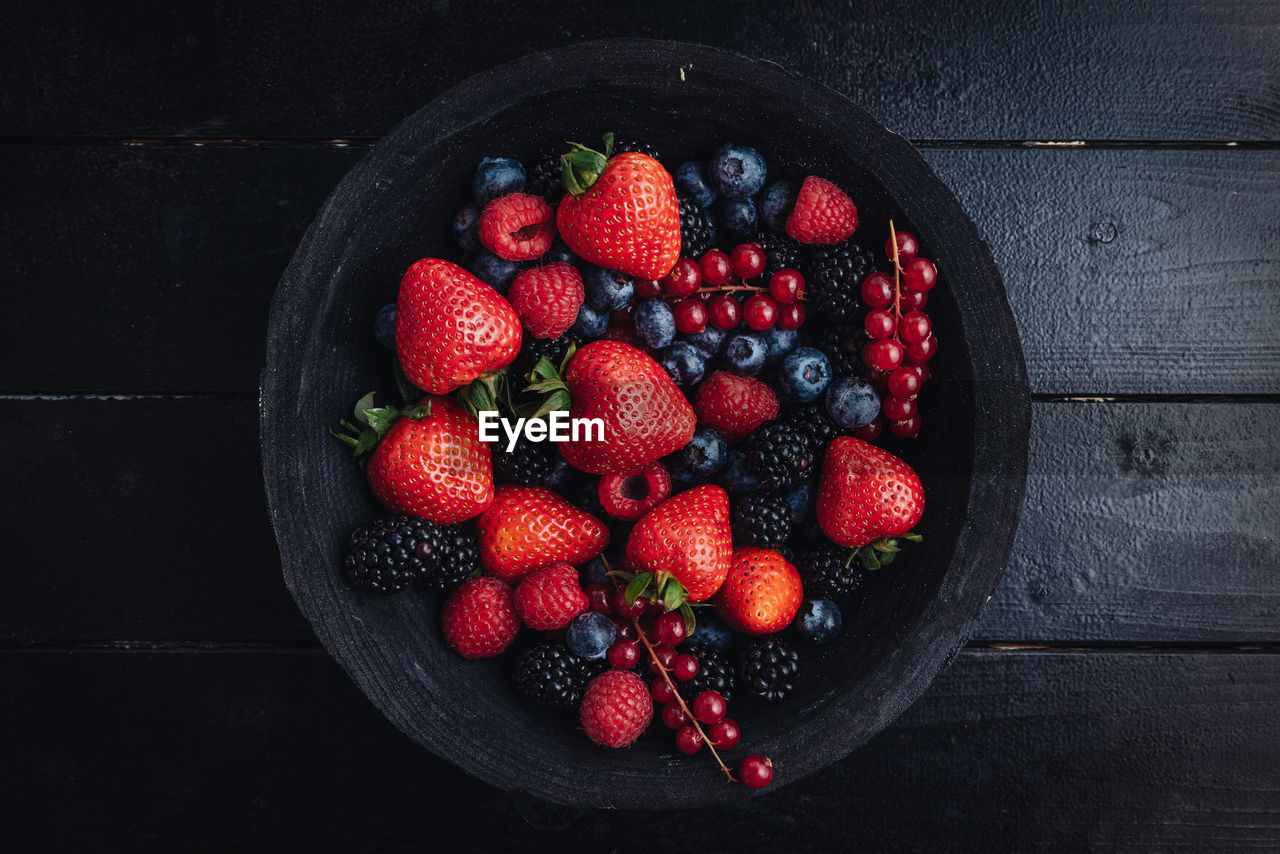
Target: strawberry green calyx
(882, 551)
(373, 422)
(547, 380)
(660, 587)
(489, 391)
(580, 168)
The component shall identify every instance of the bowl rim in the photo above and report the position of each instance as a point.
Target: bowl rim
(1001, 408)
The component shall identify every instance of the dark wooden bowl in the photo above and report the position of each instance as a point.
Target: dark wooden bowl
(395, 206)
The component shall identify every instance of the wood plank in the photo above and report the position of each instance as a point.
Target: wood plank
(1007, 751)
(1095, 70)
(185, 246)
(1149, 522)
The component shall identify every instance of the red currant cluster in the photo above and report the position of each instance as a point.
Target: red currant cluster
(704, 291)
(902, 340)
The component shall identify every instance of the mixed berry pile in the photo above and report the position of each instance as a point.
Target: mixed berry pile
(742, 351)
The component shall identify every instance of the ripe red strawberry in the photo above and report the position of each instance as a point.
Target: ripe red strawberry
(517, 227)
(547, 298)
(866, 493)
(823, 213)
(734, 405)
(687, 536)
(434, 467)
(616, 708)
(550, 597)
(451, 327)
(479, 618)
(762, 593)
(528, 527)
(627, 219)
(644, 415)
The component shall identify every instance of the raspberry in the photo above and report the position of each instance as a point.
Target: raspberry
(823, 213)
(616, 708)
(629, 496)
(517, 227)
(547, 298)
(734, 405)
(479, 620)
(550, 597)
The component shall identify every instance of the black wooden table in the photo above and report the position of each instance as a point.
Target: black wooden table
(158, 689)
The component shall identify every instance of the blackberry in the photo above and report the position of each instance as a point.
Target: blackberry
(392, 553)
(843, 348)
(697, 234)
(544, 179)
(626, 143)
(817, 425)
(715, 673)
(550, 675)
(770, 668)
(459, 559)
(829, 570)
(779, 251)
(834, 281)
(526, 464)
(762, 520)
(779, 455)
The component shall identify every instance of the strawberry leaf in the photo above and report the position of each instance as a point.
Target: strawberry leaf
(381, 418)
(868, 558)
(637, 586)
(363, 405)
(690, 622)
(672, 595)
(556, 401)
(913, 538)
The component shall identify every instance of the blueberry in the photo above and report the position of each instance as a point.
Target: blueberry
(607, 290)
(709, 341)
(560, 251)
(710, 632)
(736, 171)
(706, 453)
(735, 477)
(560, 476)
(744, 353)
(497, 272)
(680, 474)
(596, 572)
(466, 227)
(590, 323)
(776, 204)
(800, 500)
(590, 635)
(384, 326)
(852, 402)
(691, 177)
(495, 177)
(736, 217)
(684, 362)
(804, 374)
(779, 342)
(654, 323)
(819, 620)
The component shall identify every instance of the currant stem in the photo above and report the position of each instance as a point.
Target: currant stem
(666, 676)
(897, 284)
(725, 288)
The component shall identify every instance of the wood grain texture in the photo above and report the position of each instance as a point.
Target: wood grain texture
(1143, 522)
(1112, 260)
(1002, 70)
(1007, 751)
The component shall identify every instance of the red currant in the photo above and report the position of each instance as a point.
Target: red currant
(662, 691)
(879, 379)
(877, 290)
(633, 609)
(908, 429)
(709, 707)
(656, 608)
(921, 351)
(870, 432)
(724, 311)
(748, 260)
(922, 371)
(885, 354)
(919, 274)
(684, 278)
(899, 408)
(755, 771)
(716, 268)
(760, 311)
(648, 288)
(691, 315)
(600, 598)
(685, 667)
(907, 246)
(673, 716)
(879, 323)
(669, 629)
(791, 316)
(725, 734)
(904, 382)
(625, 629)
(786, 285)
(624, 655)
(914, 327)
(688, 739)
(912, 301)
(666, 655)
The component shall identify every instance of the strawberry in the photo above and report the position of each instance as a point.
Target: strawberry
(430, 461)
(451, 327)
(547, 298)
(517, 227)
(479, 618)
(527, 527)
(867, 496)
(823, 213)
(621, 213)
(762, 592)
(686, 536)
(616, 708)
(644, 415)
(550, 597)
(734, 405)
